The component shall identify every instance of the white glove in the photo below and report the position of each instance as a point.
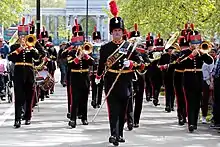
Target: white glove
(97, 81)
(126, 63)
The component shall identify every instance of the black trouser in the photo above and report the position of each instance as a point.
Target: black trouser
(129, 113)
(193, 91)
(216, 105)
(179, 91)
(23, 95)
(69, 90)
(138, 98)
(148, 86)
(117, 101)
(205, 99)
(80, 93)
(156, 86)
(169, 89)
(97, 90)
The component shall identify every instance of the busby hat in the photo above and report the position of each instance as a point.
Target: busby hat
(23, 30)
(116, 22)
(149, 40)
(96, 34)
(158, 41)
(135, 33)
(44, 33)
(78, 36)
(77, 27)
(182, 41)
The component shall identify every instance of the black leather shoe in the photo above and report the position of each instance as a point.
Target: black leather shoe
(155, 102)
(17, 124)
(172, 109)
(47, 96)
(85, 122)
(191, 128)
(51, 92)
(130, 126)
(68, 115)
(181, 122)
(93, 104)
(79, 116)
(27, 122)
(120, 139)
(195, 127)
(72, 124)
(136, 125)
(168, 109)
(113, 140)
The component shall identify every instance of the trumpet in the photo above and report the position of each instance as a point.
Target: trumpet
(86, 48)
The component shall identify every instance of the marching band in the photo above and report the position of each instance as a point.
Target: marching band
(123, 68)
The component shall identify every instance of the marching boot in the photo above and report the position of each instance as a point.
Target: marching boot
(191, 128)
(17, 124)
(27, 122)
(72, 124)
(136, 125)
(155, 102)
(181, 122)
(84, 122)
(120, 139)
(130, 126)
(93, 104)
(168, 109)
(113, 140)
(51, 92)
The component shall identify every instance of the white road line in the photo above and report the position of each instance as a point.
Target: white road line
(6, 115)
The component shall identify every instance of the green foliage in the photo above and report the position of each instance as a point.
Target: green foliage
(166, 16)
(10, 11)
(46, 3)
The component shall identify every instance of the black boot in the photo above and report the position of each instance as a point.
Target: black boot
(85, 122)
(27, 122)
(181, 122)
(72, 124)
(113, 140)
(191, 128)
(68, 115)
(17, 124)
(155, 102)
(93, 104)
(130, 126)
(168, 109)
(120, 139)
(136, 125)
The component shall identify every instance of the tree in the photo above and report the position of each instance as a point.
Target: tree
(46, 3)
(11, 11)
(166, 16)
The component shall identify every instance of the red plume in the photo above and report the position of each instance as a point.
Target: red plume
(135, 27)
(113, 8)
(95, 29)
(186, 26)
(43, 29)
(158, 35)
(76, 22)
(148, 37)
(188, 36)
(125, 32)
(22, 21)
(192, 26)
(77, 28)
(32, 22)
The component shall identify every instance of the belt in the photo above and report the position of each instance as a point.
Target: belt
(24, 64)
(192, 70)
(79, 70)
(120, 71)
(179, 70)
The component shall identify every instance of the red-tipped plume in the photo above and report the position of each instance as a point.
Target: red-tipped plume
(113, 8)
(186, 26)
(135, 27)
(43, 29)
(22, 21)
(148, 36)
(77, 28)
(158, 35)
(192, 26)
(76, 22)
(95, 29)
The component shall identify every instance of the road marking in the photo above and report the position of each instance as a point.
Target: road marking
(6, 115)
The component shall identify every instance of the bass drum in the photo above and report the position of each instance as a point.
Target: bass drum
(48, 81)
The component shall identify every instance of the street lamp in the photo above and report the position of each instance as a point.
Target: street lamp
(38, 18)
(87, 18)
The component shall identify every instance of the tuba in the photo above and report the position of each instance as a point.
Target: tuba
(30, 40)
(87, 48)
(205, 47)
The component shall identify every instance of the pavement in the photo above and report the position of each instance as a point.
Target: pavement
(49, 127)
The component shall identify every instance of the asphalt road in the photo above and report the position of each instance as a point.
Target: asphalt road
(49, 127)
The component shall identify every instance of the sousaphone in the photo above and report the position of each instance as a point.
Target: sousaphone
(172, 40)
